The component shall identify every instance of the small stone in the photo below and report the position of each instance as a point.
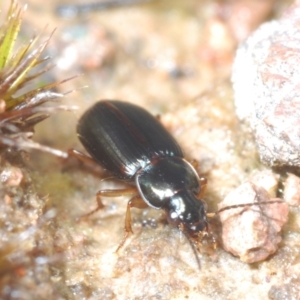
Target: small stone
(11, 176)
(252, 232)
(292, 190)
(267, 179)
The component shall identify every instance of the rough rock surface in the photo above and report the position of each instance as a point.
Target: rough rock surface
(266, 83)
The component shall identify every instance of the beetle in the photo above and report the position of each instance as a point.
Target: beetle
(132, 145)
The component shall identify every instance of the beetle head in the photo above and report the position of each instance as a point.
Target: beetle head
(187, 212)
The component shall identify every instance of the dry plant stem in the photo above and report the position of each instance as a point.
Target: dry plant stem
(72, 10)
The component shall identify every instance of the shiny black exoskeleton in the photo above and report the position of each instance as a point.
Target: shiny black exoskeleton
(134, 147)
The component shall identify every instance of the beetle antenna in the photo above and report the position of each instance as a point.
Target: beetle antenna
(247, 204)
(193, 246)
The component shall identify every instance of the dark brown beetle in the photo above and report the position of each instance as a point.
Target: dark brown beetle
(134, 147)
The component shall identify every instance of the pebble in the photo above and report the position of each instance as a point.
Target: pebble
(252, 232)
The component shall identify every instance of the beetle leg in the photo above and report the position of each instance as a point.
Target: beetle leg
(109, 193)
(81, 156)
(202, 180)
(136, 202)
(203, 183)
(210, 215)
(194, 163)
